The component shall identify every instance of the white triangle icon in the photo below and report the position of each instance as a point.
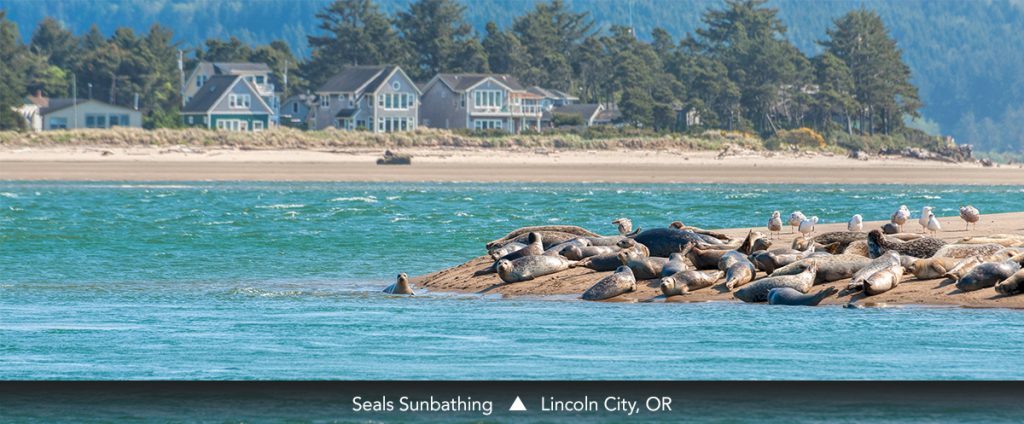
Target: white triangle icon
(517, 405)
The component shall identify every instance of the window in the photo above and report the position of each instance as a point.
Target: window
(380, 100)
(259, 79)
(380, 124)
(239, 101)
(95, 121)
(58, 123)
(396, 85)
(487, 124)
(325, 101)
(121, 120)
(295, 108)
(200, 80)
(257, 125)
(191, 120)
(488, 98)
(396, 101)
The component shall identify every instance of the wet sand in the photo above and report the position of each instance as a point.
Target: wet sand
(911, 291)
(482, 165)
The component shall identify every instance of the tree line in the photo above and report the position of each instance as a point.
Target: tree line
(738, 71)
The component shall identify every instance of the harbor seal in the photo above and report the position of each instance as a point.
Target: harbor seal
(705, 258)
(622, 281)
(829, 268)
(987, 275)
(883, 281)
(533, 248)
(859, 247)
(874, 265)
(966, 250)
(498, 252)
(758, 290)
(557, 249)
(931, 268)
(604, 241)
(676, 263)
(1007, 240)
(601, 263)
(530, 267)
(924, 247)
(1012, 285)
(792, 297)
(662, 242)
(401, 286)
(769, 261)
(962, 267)
(687, 281)
(644, 267)
(523, 231)
(844, 238)
(891, 228)
(738, 269)
(576, 253)
(680, 226)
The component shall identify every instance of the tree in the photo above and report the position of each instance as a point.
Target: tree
(881, 80)
(437, 38)
(232, 50)
(54, 43)
(278, 56)
(550, 34)
(11, 81)
(505, 54)
(355, 32)
(835, 95)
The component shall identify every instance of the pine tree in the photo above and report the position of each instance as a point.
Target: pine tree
(354, 32)
(437, 38)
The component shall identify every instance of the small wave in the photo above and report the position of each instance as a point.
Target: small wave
(393, 197)
(282, 206)
(367, 199)
(219, 223)
(932, 197)
(9, 195)
(462, 214)
(258, 292)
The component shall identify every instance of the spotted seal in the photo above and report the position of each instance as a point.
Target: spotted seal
(619, 282)
(987, 275)
(676, 263)
(859, 247)
(498, 252)
(576, 253)
(705, 258)
(967, 250)
(644, 267)
(883, 281)
(887, 260)
(829, 268)
(533, 248)
(1013, 285)
(769, 261)
(662, 242)
(936, 267)
(758, 290)
(844, 238)
(738, 269)
(687, 281)
(571, 230)
(530, 267)
(557, 249)
(789, 296)
(401, 286)
(924, 247)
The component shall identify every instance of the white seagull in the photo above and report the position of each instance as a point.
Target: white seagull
(795, 219)
(933, 223)
(775, 223)
(901, 216)
(856, 224)
(807, 225)
(923, 220)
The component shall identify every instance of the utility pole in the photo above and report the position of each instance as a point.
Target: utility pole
(285, 89)
(181, 75)
(74, 96)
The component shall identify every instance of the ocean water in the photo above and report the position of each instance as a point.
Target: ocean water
(282, 281)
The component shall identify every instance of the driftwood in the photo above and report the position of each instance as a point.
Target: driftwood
(391, 158)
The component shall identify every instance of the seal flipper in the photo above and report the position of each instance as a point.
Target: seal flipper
(822, 295)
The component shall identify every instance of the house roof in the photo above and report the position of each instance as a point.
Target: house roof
(50, 105)
(224, 68)
(210, 93)
(549, 93)
(356, 79)
(346, 113)
(462, 82)
(587, 111)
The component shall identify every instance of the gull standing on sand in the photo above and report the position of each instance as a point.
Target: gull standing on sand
(901, 216)
(795, 219)
(625, 225)
(971, 215)
(807, 225)
(933, 223)
(775, 223)
(923, 220)
(856, 224)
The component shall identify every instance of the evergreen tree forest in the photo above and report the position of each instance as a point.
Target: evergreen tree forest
(739, 69)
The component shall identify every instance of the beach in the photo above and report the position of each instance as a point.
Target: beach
(180, 163)
(573, 282)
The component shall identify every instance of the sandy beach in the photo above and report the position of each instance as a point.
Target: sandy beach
(482, 165)
(573, 282)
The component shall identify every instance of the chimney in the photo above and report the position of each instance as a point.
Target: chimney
(136, 101)
(39, 93)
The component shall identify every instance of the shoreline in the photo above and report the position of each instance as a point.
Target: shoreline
(180, 163)
(911, 291)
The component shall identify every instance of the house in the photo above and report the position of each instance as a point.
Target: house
(553, 98)
(479, 101)
(258, 74)
(228, 102)
(295, 110)
(374, 98)
(61, 114)
(586, 115)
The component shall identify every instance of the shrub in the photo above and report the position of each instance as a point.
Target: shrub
(801, 138)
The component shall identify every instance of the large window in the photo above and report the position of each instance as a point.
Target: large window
(257, 125)
(119, 121)
(487, 124)
(325, 101)
(95, 121)
(58, 123)
(396, 101)
(395, 123)
(200, 80)
(239, 101)
(488, 98)
(235, 125)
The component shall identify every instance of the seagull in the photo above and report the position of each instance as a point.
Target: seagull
(901, 216)
(625, 225)
(807, 225)
(933, 223)
(856, 224)
(971, 215)
(923, 220)
(795, 219)
(775, 223)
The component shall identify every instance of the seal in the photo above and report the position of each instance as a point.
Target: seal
(891, 228)
(931, 268)
(962, 267)
(601, 263)
(883, 281)
(924, 247)
(792, 297)
(887, 260)
(859, 247)
(644, 267)
(769, 261)
(663, 242)
(401, 286)
(576, 253)
(987, 275)
(754, 241)
(1013, 285)
(676, 263)
(523, 231)
(530, 267)
(966, 250)
(497, 253)
(1007, 240)
(758, 290)
(533, 248)
(705, 258)
(605, 240)
(829, 268)
(680, 226)
(687, 281)
(551, 238)
(621, 281)
(557, 249)
(738, 269)
(844, 238)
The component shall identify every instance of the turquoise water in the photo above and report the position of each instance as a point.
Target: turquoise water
(282, 280)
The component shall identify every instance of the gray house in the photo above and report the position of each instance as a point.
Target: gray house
(479, 101)
(46, 114)
(258, 75)
(228, 102)
(375, 98)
